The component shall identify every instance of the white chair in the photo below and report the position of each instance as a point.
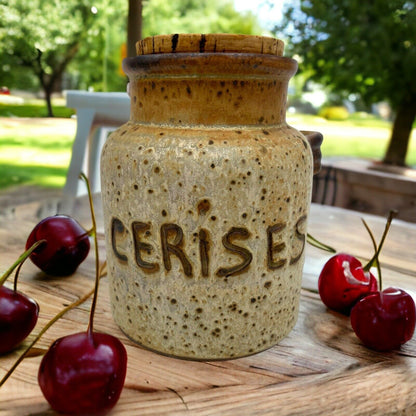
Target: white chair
(98, 113)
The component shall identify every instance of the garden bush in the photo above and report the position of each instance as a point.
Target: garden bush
(337, 113)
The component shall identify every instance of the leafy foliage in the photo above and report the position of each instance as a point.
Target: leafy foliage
(30, 29)
(33, 37)
(97, 64)
(79, 43)
(196, 16)
(367, 47)
(362, 47)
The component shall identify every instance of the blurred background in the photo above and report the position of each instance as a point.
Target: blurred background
(355, 83)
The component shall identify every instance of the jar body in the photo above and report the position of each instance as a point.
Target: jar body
(205, 224)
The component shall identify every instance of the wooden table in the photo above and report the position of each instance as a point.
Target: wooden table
(321, 368)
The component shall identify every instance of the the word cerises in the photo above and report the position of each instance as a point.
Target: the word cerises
(172, 244)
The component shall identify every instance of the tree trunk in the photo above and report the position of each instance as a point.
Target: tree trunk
(48, 98)
(134, 26)
(400, 136)
(36, 65)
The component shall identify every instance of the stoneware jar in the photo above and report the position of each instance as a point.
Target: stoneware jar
(206, 194)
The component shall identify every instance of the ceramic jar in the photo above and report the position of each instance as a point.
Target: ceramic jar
(206, 194)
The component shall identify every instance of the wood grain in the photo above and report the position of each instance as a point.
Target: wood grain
(321, 368)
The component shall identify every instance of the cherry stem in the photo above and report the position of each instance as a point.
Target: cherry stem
(58, 316)
(373, 240)
(318, 244)
(90, 232)
(20, 260)
(97, 260)
(374, 259)
(16, 275)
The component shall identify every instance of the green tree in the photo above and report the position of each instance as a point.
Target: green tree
(97, 63)
(101, 53)
(196, 16)
(81, 41)
(43, 37)
(363, 47)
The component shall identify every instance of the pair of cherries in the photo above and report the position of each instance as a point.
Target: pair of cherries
(82, 373)
(382, 319)
(57, 245)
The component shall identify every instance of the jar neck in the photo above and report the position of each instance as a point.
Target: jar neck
(209, 89)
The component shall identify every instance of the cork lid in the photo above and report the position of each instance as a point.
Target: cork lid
(203, 43)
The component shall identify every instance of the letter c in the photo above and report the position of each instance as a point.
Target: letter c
(117, 228)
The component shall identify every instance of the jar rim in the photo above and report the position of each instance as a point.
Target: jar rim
(212, 42)
(209, 65)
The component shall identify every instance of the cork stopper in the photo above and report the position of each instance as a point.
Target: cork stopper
(205, 43)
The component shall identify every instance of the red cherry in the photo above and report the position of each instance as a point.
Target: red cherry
(343, 282)
(384, 320)
(83, 373)
(66, 247)
(18, 316)
(18, 312)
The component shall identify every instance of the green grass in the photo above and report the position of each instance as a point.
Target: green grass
(35, 153)
(33, 110)
(360, 136)
(38, 151)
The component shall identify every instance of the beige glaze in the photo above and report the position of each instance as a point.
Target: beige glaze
(206, 194)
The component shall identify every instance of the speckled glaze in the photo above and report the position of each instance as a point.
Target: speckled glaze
(206, 194)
